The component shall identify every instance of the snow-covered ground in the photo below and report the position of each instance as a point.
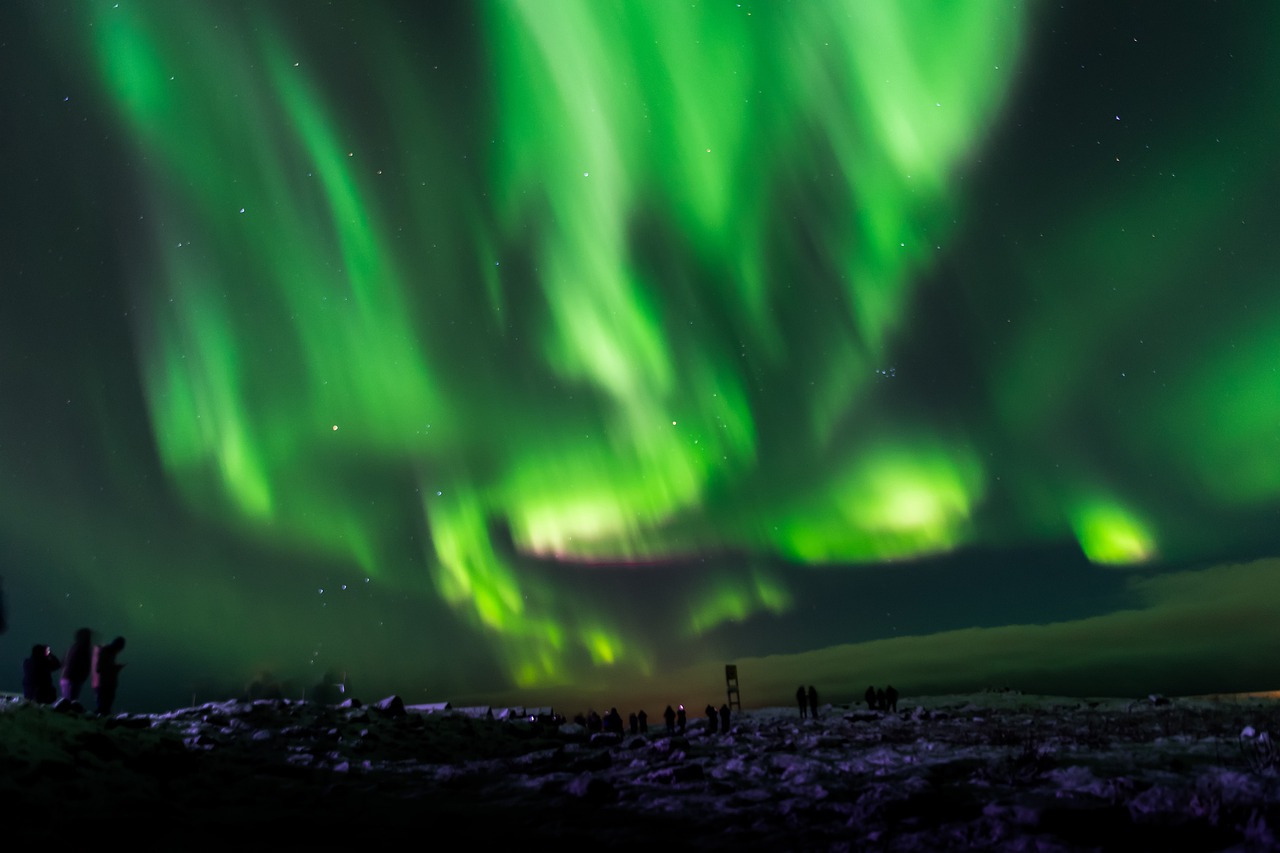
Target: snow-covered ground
(990, 771)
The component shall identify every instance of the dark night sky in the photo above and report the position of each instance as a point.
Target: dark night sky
(570, 350)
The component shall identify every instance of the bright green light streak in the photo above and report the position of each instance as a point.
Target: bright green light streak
(1111, 535)
(473, 574)
(478, 581)
(302, 313)
(896, 501)
(203, 408)
(904, 91)
(268, 337)
(609, 112)
(737, 598)
(604, 495)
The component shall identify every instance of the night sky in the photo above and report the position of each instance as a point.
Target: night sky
(567, 350)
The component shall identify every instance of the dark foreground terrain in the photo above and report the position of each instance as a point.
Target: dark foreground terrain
(993, 771)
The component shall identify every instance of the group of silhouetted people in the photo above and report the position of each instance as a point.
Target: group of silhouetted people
(715, 717)
(83, 662)
(808, 701)
(676, 720)
(639, 722)
(878, 699)
(611, 722)
(881, 698)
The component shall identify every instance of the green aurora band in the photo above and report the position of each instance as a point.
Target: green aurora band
(566, 315)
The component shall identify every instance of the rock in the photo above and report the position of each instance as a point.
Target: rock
(592, 789)
(592, 761)
(125, 721)
(678, 774)
(606, 739)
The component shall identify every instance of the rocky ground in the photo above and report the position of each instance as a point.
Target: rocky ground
(990, 771)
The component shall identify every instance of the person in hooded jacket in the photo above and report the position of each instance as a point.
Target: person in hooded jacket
(106, 674)
(37, 675)
(76, 665)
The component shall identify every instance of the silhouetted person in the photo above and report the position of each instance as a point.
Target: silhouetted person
(802, 699)
(613, 721)
(331, 690)
(713, 719)
(870, 696)
(891, 698)
(882, 701)
(644, 721)
(682, 719)
(634, 722)
(594, 723)
(670, 716)
(37, 675)
(813, 701)
(76, 665)
(106, 674)
(724, 718)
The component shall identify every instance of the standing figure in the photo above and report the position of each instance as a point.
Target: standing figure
(644, 721)
(613, 721)
(724, 718)
(37, 675)
(106, 674)
(870, 696)
(803, 701)
(634, 723)
(713, 718)
(682, 719)
(76, 665)
(813, 701)
(891, 698)
(670, 716)
(882, 699)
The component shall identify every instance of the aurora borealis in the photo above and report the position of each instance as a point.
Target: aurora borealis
(560, 347)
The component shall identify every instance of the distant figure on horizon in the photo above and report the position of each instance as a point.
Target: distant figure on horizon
(634, 722)
(594, 723)
(882, 700)
(613, 721)
(644, 721)
(724, 718)
(813, 701)
(682, 719)
(713, 718)
(37, 675)
(891, 699)
(802, 700)
(670, 716)
(870, 696)
(106, 674)
(331, 690)
(76, 665)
